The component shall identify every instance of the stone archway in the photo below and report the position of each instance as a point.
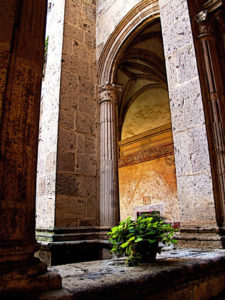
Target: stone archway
(108, 99)
(193, 173)
(147, 176)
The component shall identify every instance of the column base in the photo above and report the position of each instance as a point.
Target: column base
(64, 246)
(26, 277)
(201, 237)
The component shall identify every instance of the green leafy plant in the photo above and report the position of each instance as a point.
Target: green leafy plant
(46, 48)
(138, 240)
(45, 55)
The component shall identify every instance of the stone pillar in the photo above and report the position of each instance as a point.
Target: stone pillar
(214, 105)
(19, 270)
(109, 193)
(193, 170)
(67, 205)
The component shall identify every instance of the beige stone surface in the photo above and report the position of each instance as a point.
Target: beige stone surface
(69, 120)
(113, 10)
(178, 274)
(49, 115)
(194, 182)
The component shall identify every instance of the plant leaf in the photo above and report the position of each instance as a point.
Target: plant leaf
(139, 239)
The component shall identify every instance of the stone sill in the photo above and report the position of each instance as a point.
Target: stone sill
(177, 274)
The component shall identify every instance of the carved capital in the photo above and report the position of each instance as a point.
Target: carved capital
(204, 24)
(109, 93)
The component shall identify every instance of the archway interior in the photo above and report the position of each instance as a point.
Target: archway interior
(147, 177)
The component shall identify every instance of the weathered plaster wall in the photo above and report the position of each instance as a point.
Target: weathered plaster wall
(151, 182)
(194, 180)
(109, 14)
(150, 110)
(49, 115)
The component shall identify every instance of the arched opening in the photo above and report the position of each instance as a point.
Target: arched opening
(109, 91)
(120, 58)
(147, 178)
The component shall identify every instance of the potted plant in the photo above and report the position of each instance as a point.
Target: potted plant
(139, 240)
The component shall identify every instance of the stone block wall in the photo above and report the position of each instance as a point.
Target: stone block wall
(194, 180)
(49, 115)
(73, 164)
(77, 159)
(68, 178)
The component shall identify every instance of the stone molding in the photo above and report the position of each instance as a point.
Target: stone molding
(147, 155)
(152, 144)
(147, 134)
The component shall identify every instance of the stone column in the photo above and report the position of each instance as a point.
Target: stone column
(67, 205)
(109, 194)
(19, 269)
(215, 109)
(193, 169)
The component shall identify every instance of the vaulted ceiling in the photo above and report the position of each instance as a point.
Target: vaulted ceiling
(141, 71)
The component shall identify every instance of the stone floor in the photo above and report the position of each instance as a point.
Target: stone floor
(177, 274)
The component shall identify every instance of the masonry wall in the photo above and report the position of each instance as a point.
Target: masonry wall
(194, 181)
(68, 195)
(78, 141)
(49, 115)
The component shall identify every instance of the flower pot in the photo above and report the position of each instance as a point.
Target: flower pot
(149, 255)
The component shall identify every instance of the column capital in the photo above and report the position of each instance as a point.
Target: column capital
(109, 92)
(204, 24)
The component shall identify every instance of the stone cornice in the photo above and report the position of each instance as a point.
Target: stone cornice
(146, 155)
(143, 136)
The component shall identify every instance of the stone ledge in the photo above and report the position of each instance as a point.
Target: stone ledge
(178, 274)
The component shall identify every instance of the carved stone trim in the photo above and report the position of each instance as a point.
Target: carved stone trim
(147, 134)
(204, 25)
(146, 155)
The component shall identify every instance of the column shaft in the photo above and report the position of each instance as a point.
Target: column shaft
(109, 194)
(214, 103)
(19, 269)
(19, 134)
